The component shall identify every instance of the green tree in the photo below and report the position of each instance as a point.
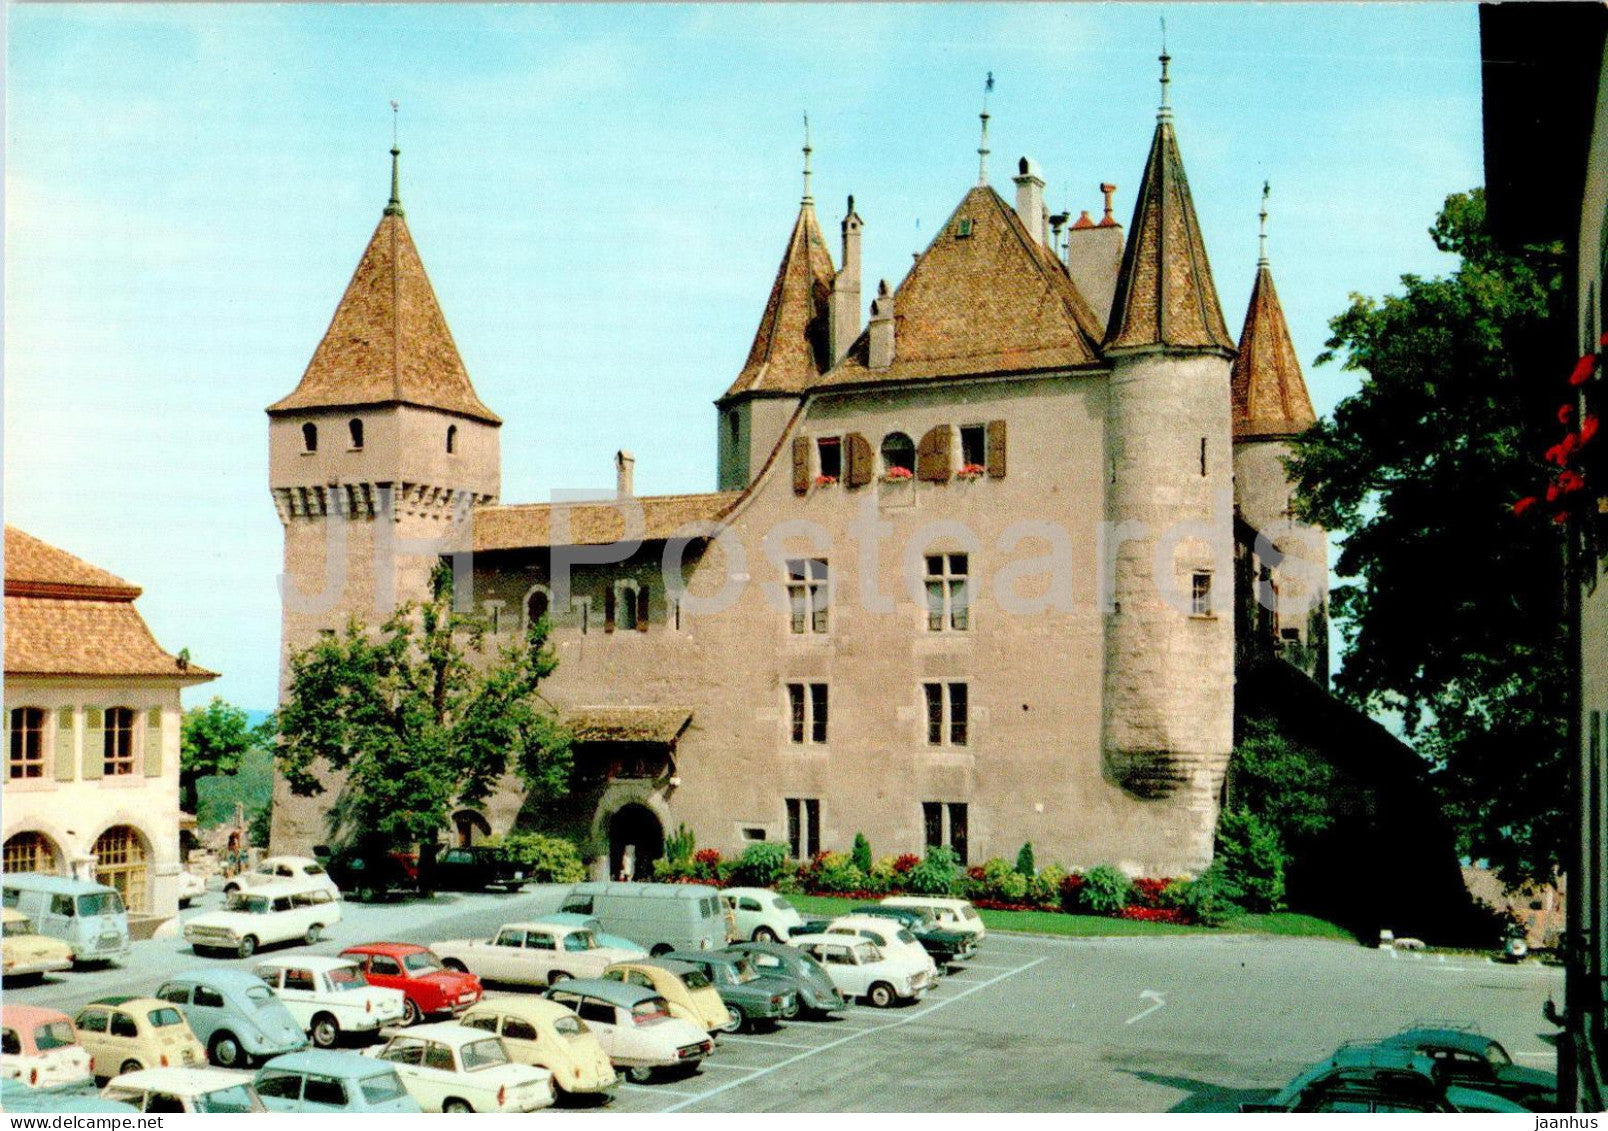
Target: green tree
(1454, 621)
(415, 726)
(861, 856)
(1025, 864)
(1287, 784)
(213, 740)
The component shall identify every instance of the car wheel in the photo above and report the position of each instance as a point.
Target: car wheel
(556, 977)
(764, 934)
(247, 947)
(410, 1012)
(457, 1107)
(230, 889)
(454, 965)
(791, 1011)
(130, 1065)
(366, 895)
(661, 950)
(225, 1050)
(738, 1020)
(639, 1074)
(326, 1031)
(881, 995)
(313, 933)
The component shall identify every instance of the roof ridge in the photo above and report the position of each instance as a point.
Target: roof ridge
(608, 502)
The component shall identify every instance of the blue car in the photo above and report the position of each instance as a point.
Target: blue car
(16, 1097)
(332, 1081)
(235, 1015)
(591, 923)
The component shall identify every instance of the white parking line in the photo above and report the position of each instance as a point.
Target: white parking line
(733, 1067)
(766, 1043)
(657, 1090)
(905, 1020)
(984, 966)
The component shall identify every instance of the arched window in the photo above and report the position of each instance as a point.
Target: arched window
(29, 852)
(356, 428)
(27, 756)
(120, 863)
(452, 439)
(536, 606)
(119, 758)
(309, 437)
(898, 455)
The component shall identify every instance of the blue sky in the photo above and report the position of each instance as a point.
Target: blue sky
(601, 194)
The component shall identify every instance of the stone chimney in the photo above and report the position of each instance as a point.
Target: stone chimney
(624, 474)
(1030, 198)
(843, 311)
(1094, 257)
(881, 351)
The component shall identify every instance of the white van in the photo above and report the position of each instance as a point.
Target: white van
(88, 917)
(271, 913)
(657, 917)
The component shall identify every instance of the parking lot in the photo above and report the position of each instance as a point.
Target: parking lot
(1184, 1023)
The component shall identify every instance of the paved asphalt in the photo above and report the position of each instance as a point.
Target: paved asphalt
(1180, 1023)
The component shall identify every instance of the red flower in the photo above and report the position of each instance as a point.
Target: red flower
(1583, 369)
(1565, 411)
(1603, 341)
(1557, 454)
(1569, 482)
(1561, 517)
(899, 473)
(1524, 504)
(1552, 493)
(1588, 427)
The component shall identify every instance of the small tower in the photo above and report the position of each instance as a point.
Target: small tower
(1168, 708)
(374, 462)
(1271, 406)
(792, 347)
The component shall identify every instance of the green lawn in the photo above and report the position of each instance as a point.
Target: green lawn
(1054, 923)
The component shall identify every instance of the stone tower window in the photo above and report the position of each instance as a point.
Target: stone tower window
(733, 426)
(1200, 595)
(452, 439)
(807, 712)
(1203, 455)
(948, 601)
(808, 594)
(898, 451)
(309, 437)
(947, 713)
(355, 427)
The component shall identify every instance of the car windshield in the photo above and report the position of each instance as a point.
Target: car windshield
(580, 940)
(422, 962)
(650, 1009)
(100, 903)
(382, 1088)
(162, 1018)
(313, 870)
(15, 927)
(743, 970)
(228, 1100)
(346, 978)
(781, 904)
(1497, 1055)
(260, 996)
(488, 1053)
(250, 904)
(54, 1035)
(695, 980)
(569, 1026)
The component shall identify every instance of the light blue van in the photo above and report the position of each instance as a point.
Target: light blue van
(332, 1081)
(657, 917)
(88, 917)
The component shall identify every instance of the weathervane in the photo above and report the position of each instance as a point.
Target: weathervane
(982, 150)
(394, 206)
(1164, 113)
(808, 199)
(1262, 257)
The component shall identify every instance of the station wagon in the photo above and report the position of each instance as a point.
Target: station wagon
(634, 1026)
(235, 1015)
(319, 1081)
(126, 1034)
(272, 913)
(175, 1091)
(532, 954)
(451, 1068)
(951, 914)
(330, 996)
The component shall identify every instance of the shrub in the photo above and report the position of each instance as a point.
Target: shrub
(1072, 892)
(763, 865)
(678, 846)
(1000, 881)
(546, 859)
(706, 863)
(670, 871)
(885, 875)
(905, 862)
(1044, 889)
(1253, 859)
(861, 854)
(1106, 890)
(1208, 900)
(1024, 861)
(936, 873)
(835, 872)
(1147, 893)
(1173, 894)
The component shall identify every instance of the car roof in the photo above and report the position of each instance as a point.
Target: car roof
(1462, 1039)
(287, 860)
(56, 885)
(746, 891)
(284, 886)
(128, 1001)
(779, 950)
(328, 1062)
(836, 940)
(539, 925)
(391, 949)
(220, 978)
(306, 962)
(615, 993)
(576, 917)
(651, 891)
(675, 962)
(448, 1032)
(24, 1015)
(868, 921)
(530, 1008)
(195, 1080)
(918, 900)
(11, 915)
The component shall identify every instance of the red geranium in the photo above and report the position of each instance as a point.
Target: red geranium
(1588, 427)
(1525, 504)
(1583, 369)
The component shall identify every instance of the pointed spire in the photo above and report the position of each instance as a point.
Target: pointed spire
(1269, 394)
(982, 150)
(1261, 259)
(808, 199)
(393, 207)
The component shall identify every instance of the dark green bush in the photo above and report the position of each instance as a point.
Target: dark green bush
(761, 865)
(1024, 861)
(1105, 890)
(937, 872)
(862, 853)
(1209, 900)
(1253, 858)
(546, 859)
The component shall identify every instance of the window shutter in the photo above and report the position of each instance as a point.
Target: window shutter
(66, 747)
(801, 465)
(642, 609)
(859, 459)
(932, 455)
(153, 743)
(94, 761)
(996, 449)
(608, 609)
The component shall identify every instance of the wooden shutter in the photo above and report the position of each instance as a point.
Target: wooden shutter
(860, 464)
(94, 760)
(801, 465)
(932, 455)
(153, 743)
(66, 746)
(996, 449)
(642, 609)
(608, 609)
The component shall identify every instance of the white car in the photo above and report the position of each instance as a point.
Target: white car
(272, 913)
(858, 969)
(453, 1068)
(952, 914)
(191, 887)
(532, 954)
(303, 870)
(177, 1090)
(761, 914)
(634, 1026)
(890, 938)
(330, 996)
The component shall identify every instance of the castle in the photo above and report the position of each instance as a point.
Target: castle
(970, 576)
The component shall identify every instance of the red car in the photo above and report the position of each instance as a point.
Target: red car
(429, 987)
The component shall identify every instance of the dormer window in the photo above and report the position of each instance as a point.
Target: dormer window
(963, 228)
(356, 429)
(309, 437)
(452, 439)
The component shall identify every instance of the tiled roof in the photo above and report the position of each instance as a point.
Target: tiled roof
(35, 567)
(627, 724)
(1165, 294)
(388, 342)
(520, 525)
(1270, 395)
(991, 301)
(790, 349)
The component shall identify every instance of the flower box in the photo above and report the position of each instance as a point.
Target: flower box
(898, 474)
(826, 480)
(972, 471)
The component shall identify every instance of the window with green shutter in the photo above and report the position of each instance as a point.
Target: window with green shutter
(66, 743)
(153, 743)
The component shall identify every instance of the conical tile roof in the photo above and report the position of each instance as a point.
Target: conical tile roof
(791, 349)
(1270, 395)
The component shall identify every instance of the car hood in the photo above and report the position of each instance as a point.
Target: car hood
(624, 945)
(234, 920)
(944, 936)
(34, 947)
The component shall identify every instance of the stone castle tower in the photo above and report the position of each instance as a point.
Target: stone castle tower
(374, 461)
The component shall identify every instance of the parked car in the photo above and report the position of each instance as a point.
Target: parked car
(635, 1027)
(946, 947)
(684, 987)
(270, 913)
(1470, 1059)
(191, 887)
(591, 923)
(546, 1034)
(428, 988)
(370, 873)
(321, 1081)
(476, 869)
(26, 953)
(17, 1097)
(890, 937)
(952, 914)
(859, 969)
(126, 1034)
(89, 918)
(817, 995)
(330, 996)
(1377, 1078)
(448, 1067)
(659, 917)
(751, 996)
(270, 871)
(177, 1090)
(761, 914)
(235, 1015)
(40, 1047)
(532, 954)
